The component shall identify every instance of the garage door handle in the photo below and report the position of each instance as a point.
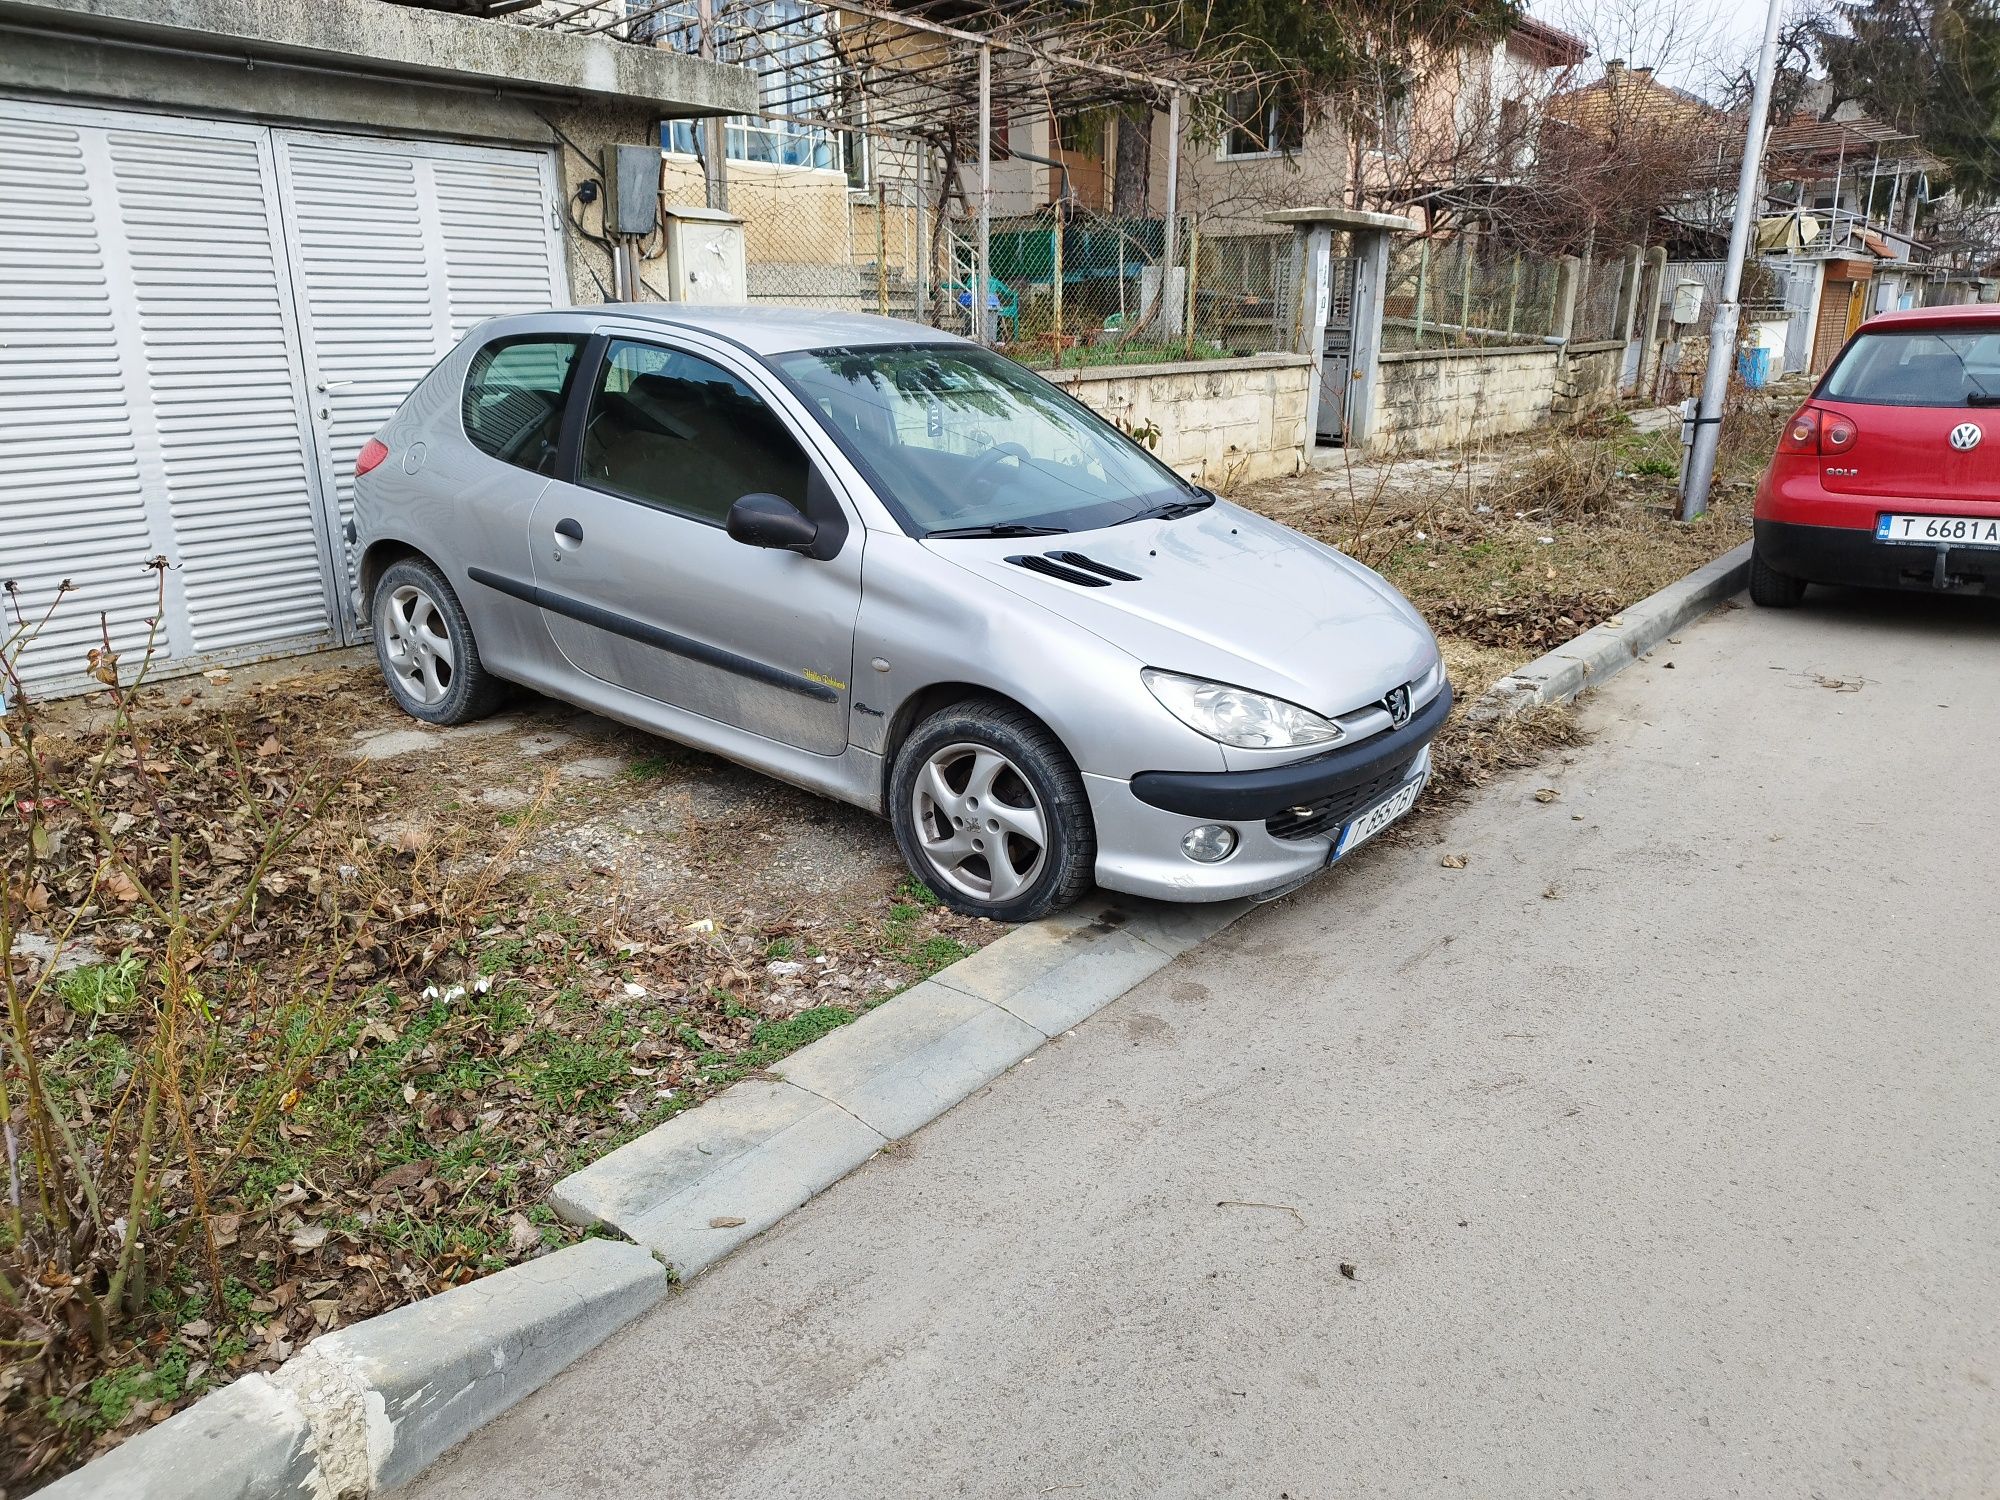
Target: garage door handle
(569, 530)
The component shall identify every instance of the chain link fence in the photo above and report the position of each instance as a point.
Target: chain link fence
(863, 229)
(1469, 292)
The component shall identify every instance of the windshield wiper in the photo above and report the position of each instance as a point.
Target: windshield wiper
(1000, 528)
(1173, 510)
(1983, 398)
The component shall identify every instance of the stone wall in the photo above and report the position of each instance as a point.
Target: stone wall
(1221, 421)
(1590, 375)
(1442, 398)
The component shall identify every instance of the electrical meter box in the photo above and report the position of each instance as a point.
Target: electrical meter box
(632, 176)
(705, 261)
(1687, 301)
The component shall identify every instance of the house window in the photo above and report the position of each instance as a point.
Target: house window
(1387, 129)
(1262, 122)
(789, 45)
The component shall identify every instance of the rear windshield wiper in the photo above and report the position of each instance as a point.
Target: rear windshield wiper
(1000, 528)
(1983, 398)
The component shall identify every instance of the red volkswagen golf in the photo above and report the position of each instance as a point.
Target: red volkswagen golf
(1889, 476)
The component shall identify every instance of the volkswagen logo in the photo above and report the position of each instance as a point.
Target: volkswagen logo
(1965, 436)
(1398, 704)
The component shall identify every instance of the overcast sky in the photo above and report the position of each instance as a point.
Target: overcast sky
(1689, 41)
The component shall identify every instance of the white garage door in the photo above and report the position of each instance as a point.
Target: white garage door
(200, 324)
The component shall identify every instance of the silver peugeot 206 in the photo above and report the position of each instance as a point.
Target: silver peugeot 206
(898, 569)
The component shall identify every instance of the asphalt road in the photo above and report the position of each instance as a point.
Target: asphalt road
(1662, 1140)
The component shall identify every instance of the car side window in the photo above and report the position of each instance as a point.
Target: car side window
(514, 394)
(673, 430)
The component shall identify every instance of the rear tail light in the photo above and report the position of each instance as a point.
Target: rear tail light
(372, 453)
(1816, 431)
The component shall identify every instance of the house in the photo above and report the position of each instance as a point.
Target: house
(1466, 122)
(235, 233)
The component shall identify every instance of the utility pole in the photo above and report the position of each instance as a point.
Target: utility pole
(1699, 473)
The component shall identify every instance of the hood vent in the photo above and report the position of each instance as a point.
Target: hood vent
(1102, 570)
(1073, 567)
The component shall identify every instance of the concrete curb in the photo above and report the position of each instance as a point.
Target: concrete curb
(1609, 648)
(366, 1408)
(705, 1182)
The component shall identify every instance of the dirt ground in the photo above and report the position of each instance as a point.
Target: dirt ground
(390, 982)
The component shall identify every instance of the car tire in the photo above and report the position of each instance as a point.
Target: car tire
(990, 813)
(1770, 588)
(424, 645)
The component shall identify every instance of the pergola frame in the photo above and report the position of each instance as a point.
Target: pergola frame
(933, 76)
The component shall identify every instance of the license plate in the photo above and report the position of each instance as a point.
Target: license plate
(1378, 817)
(1956, 531)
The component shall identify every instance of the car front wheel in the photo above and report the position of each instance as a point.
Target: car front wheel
(424, 645)
(990, 813)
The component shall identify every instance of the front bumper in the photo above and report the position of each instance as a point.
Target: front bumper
(1848, 555)
(1285, 817)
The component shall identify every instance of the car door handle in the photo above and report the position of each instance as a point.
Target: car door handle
(568, 529)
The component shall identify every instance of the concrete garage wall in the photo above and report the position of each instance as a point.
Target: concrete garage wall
(365, 67)
(1221, 421)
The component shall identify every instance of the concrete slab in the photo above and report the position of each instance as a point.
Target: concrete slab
(247, 1441)
(912, 1058)
(430, 1373)
(387, 744)
(706, 1181)
(360, 36)
(1176, 926)
(1060, 971)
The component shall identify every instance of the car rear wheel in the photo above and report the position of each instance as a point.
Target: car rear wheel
(990, 813)
(1770, 588)
(424, 645)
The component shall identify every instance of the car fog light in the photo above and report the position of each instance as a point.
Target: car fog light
(1209, 844)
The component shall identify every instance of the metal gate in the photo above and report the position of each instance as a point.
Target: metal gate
(200, 323)
(1337, 350)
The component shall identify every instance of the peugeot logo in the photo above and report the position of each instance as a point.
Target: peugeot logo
(1965, 436)
(1398, 704)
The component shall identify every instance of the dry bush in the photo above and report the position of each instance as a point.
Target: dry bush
(1568, 478)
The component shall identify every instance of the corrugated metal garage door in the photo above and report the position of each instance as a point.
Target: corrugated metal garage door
(200, 323)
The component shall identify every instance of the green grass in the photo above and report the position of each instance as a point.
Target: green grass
(110, 1397)
(102, 989)
(652, 768)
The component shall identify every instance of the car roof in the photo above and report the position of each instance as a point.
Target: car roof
(776, 330)
(1969, 312)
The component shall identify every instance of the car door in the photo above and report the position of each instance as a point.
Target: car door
(642, 586)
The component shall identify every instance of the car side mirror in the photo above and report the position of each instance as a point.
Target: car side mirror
(762, 520)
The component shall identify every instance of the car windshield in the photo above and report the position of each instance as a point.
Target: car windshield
(1927, 367)
(963, 442)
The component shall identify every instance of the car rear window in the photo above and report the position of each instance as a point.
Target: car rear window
(514, 392)
(1919, 367)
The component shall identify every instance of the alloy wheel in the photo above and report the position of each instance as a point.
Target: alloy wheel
(418, 645)
(979, 822)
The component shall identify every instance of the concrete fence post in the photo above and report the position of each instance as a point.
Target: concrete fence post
(1631, 260)
(1569, 271)
(1654, 291)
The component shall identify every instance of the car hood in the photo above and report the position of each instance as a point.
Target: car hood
(1228, 595)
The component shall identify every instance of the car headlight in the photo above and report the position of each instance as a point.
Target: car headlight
(1236, 716)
